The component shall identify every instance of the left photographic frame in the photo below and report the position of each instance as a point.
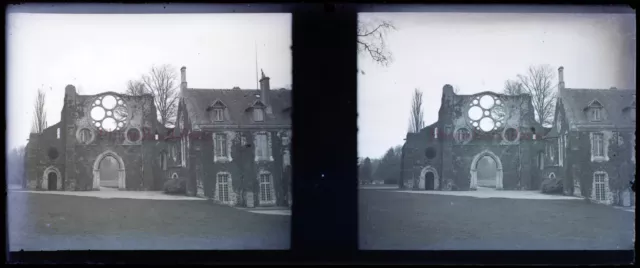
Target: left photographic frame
(112, 146)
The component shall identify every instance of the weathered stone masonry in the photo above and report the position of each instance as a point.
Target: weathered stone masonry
(502, 128)
(238, 149)
(74, 148)
(590, 146)
(229, 145)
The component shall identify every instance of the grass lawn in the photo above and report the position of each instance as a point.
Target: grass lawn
(404, 221)
(60, 222)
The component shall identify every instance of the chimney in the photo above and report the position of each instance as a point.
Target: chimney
(183, 78)
(264, 90)
(561, 77)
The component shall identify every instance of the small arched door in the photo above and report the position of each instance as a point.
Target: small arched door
(52, 181)
(429, 181)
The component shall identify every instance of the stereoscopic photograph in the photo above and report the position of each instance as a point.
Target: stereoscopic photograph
(148, 131)
(496, 131)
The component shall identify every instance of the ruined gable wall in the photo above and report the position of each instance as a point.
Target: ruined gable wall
(514, 156)
(47, 150)
(131, 152)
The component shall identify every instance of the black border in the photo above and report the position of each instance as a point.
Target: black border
(324, 219)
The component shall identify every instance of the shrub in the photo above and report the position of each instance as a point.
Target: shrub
(175, 186)
(552, 186)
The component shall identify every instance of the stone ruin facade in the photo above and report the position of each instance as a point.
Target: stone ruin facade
(590, 146)
(67, 155)
(444, 155)
(230, 145)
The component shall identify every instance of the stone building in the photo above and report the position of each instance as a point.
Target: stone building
(95, 129)
(591, 146)
(445, 154)
(230, 145)
(235, 144)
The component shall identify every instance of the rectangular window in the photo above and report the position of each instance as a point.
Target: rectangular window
(285, 139)
(58, 133)
(435, 133)
(223, 187)
(183, 151)
(265, 188)
(220, 145)
(218, 115)
(599, 184)
(258, 115)
(595, 114)
(560, 151)
(597, 145)
(262, 146)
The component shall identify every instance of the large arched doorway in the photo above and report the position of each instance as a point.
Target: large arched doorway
(109, 169)
(51, 179)
(110, 165)
(429, 179)
(486, 171)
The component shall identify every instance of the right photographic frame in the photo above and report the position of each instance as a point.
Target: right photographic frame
(496, 130)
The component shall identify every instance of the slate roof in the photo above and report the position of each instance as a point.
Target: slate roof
(614, 101)
(238, 103)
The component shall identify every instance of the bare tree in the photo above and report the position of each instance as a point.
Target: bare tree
(512, 87)
(416, 121)
(371, 40)
(538, 82)
(39, 114)
(161, 82)
(135, 88)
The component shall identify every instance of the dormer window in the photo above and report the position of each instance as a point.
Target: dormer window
(258, 114)
(216, 111)
(595, 110)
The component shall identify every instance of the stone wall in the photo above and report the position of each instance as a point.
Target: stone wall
(454, 157)
(78, 160)
(618, 166)
(244, 168)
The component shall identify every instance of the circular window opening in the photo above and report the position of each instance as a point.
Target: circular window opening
(430, 153)
(85, 136)
(486, 124)
(109, 113)
(486, 102)
(511, 134)
(463, 135)
(53, 153)
(133, 134)
(475, 113)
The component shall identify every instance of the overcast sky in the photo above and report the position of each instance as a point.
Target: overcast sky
(101, 52)
(478, 52)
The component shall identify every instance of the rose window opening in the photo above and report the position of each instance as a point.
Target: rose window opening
(109, 113)
(486, 113)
